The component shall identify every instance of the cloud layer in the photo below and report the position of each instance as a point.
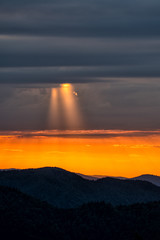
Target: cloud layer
(111, 47)
(78, 41)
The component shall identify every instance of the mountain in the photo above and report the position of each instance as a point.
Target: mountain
(96, 177)
(65, 189)
(89, 177)
(146, 177)
(23, 217)
(149, 178)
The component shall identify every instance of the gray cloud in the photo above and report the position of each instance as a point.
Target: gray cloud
(111, 38)
(55, 60)
(81, 18)
(115, 45)
(51, 75)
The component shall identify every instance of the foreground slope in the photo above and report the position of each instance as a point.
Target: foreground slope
(65, 189)
(22, 217)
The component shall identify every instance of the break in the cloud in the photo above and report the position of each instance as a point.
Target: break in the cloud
(78, 41)
(129, 104)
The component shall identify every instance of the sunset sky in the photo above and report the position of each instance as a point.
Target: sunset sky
(80, 85)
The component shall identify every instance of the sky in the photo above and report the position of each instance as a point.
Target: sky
(80, 66)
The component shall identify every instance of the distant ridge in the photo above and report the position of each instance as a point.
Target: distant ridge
(145, 177)
(154, 179)
(96, 177)
(149, 178)
(8, 169)
(89, 177)
(65, 189)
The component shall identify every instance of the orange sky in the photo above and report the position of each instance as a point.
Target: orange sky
(88, 152)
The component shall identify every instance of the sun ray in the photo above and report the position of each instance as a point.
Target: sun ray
(53, 122)
(71, 109)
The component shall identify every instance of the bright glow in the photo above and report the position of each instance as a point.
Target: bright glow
(70, 107)
(64, 110)
(65, 85)
(122, 155)
(53, 109)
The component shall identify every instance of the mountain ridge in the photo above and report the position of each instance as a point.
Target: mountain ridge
(154, 179)
(23, 217)
(66, 189)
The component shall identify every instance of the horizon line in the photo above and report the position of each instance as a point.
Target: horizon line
(98, 176)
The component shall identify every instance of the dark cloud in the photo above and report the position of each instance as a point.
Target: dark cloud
(122, 38)
(83, 134)
(111, 46)
(81, 18)
(52, 75)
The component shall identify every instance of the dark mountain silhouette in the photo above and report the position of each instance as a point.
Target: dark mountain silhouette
(23, 217)
(145, 177)
(149, 178)
(66, 190)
